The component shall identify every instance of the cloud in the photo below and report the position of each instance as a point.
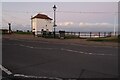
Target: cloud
(94, 24)
(69, 23)
(83, 24)
(87, 26)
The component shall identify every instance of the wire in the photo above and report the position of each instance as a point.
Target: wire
(87, 12)
(25, 11)
(81, 12)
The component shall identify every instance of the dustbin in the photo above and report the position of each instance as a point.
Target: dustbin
(61, 34)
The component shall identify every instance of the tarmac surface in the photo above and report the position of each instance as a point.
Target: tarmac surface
(46, 58)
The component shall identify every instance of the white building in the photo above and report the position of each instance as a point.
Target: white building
(41, 22)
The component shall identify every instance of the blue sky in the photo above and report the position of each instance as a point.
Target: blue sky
(71, 16)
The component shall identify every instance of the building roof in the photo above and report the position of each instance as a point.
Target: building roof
(41, 16)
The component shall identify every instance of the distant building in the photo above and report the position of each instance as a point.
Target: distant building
(41, 22)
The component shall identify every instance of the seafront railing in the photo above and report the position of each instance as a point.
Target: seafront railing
(80, 34)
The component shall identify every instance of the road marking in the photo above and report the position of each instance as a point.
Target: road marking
(45, 48)
(26, 76)
(37, 47)
(90, 53)
(81, 52)
(42, 77)
(63, 49)
(69, 50)
(74, 44)
(5, 70)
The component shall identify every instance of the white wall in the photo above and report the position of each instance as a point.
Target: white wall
(39, 24)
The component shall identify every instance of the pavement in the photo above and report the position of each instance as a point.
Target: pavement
(39, 57)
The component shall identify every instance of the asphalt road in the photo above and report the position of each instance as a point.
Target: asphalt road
(40, 58)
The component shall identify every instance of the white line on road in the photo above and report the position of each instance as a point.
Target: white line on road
(63, 49)
(5, 70)
(42, 77)
(74, 44)
(26, 76)
(85, 52)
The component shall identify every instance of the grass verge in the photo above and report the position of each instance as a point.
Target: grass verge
(23, 32)
(107, 39)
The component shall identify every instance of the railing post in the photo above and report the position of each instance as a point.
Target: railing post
(99, 34)
(115, 33)
(90, 34)
(74, 33)
(67, 33)
(104, 34)
(79, 34)
(110, 34)
(85, 34)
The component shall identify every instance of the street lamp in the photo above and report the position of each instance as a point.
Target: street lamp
(9, 27)
(115, 17)
(54, 8)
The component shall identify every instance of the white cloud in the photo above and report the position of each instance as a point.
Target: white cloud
(87, 26)
(69, 23)
(94, 24)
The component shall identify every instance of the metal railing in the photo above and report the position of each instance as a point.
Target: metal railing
(79, 34)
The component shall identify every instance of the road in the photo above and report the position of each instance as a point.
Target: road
(43, 58)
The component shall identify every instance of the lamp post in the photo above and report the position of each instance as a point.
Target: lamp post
(9, 27)
(54, 8)
(115, 19)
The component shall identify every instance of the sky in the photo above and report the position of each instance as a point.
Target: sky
(70, 16)
(59, 0)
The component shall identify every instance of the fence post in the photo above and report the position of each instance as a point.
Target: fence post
(104, 34)
(67, 33)
(115, 33)
(99, 34)
(110, 34)
(85, 34)
(90, 34)
(74, 33)
(79, 34)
